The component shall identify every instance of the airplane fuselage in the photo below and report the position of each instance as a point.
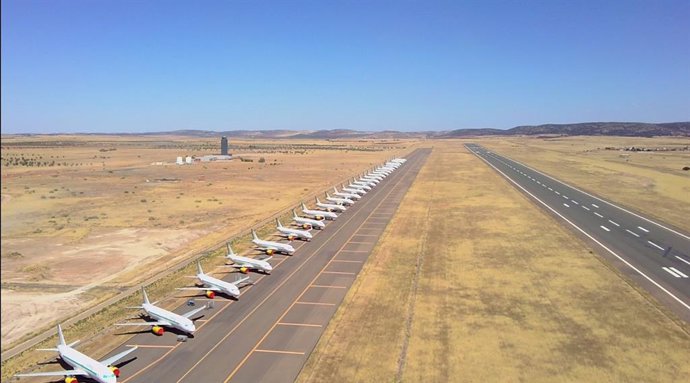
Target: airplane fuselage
(79, 361)
(225, 287)
(331, 206)
(310, 222)
(277, 246)
(253, 263)
(297, 233)
(176, 321)
(344, 201)
(320, 213)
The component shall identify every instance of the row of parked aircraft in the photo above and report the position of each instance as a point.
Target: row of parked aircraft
(107, 370)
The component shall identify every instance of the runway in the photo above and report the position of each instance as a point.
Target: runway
(268, 334)
(652, 254)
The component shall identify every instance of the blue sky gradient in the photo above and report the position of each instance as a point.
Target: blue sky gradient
(143, 66)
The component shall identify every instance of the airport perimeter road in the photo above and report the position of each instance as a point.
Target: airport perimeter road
(268, 334)
(651, 253)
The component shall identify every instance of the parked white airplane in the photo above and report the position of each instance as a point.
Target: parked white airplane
(103, 371)
(318, 214)
(359, 185)
(353, 190)
(291, 234)
(375, 176)
(365, 185)
(369, 180)
(164, 317)
(340, 201)
(244, 264)
(307, 223)
(214, 285)
(271, 247)
(352, 196)
(329, 206)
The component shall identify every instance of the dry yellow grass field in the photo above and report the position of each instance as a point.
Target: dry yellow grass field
(651, 182)
(99, 214)
(472, 282)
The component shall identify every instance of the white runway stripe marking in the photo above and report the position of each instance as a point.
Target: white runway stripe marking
(557, 192)
(575, 202)
(682, 259)
(614, 223)
(598, 215)
(550, 189)
(585, 207)
(671, 272)
(633, 233)
(566, 205)
(655, 245)
(678, 272)
(595, 205)
(643, 229)
(604, 227)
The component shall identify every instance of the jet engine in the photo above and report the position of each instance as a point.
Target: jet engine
(269, 251)
(158, 330)
(210, 294)
(71, 379)
(306, 226)
(115, 371)
(244, 270)
(291, 237)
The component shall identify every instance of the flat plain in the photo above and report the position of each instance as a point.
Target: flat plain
(479, 284)
(87, 216)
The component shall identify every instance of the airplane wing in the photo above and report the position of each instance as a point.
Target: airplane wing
(117, 357)
(191, 313)
(198, 288)
(237, 282)
(159, 323)
(57, 373)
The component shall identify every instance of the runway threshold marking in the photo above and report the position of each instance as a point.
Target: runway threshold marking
(643, 229)
(585, 207)
(566, 205)
(633, 233)
(674, 272)
(604, 227)
(598, 215)
(648, 278)
(614, 223)
(239, 365)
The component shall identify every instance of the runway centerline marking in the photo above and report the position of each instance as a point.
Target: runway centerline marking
(598, 215)
(682, 259)
(614, 223)
(575, 202)
(655, 283)
(643, 229)
(566, 205)
(585, 207)
(604, 227)
(595, 205)
(633, 233)
(655, 245)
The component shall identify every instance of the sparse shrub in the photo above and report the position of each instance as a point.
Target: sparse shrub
(262, 160)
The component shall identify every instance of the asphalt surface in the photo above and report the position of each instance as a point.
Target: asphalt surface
(654, 255)
(268, 334)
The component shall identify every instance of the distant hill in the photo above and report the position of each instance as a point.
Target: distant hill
(630, 129)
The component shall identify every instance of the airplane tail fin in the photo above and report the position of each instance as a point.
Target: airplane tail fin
(61, 337)
(328, 195)
(254, 234)
(198, 267)
(317, 199)
(278, 223)
(294, 215)
(230, 251)
(303, 206)
(146, 297)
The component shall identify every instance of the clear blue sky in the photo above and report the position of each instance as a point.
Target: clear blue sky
(136, 66)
